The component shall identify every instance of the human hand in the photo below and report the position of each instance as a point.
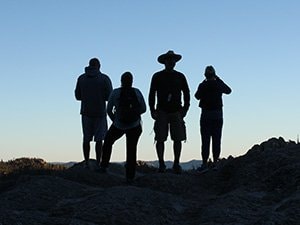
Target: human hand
(154, 114)
(217, 78)
(183, 112)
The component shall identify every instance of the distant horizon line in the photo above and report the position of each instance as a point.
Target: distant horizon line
(154, 160)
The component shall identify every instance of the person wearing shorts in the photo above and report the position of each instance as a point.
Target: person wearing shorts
(93, 128)
(166, 90)
(93, 89)
(169, 121)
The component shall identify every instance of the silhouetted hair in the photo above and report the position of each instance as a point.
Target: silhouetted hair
(209, 72)
(94, 62)
(126, 79)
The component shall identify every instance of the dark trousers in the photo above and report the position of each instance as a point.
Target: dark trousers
(211, 129)
(132, 137)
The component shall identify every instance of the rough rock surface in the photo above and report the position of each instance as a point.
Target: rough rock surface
(260, 187)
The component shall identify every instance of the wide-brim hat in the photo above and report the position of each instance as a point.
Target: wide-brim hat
(169, 55)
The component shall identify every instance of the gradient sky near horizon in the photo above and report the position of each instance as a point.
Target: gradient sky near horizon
(45, 45)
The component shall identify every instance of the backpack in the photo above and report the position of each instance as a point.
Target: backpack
(128, 110)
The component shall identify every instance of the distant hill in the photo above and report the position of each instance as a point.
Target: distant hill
(190, 165)
(65, 164)
(260, 187)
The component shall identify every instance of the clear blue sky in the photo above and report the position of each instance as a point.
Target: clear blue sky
(45, 45)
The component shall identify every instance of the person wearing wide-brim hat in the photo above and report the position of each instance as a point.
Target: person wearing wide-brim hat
(166, 90)
(167, 56)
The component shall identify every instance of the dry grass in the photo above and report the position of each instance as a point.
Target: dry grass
(27, 165)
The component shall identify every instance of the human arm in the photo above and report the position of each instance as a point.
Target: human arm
(186, 98)
(107, 88)
(110, 106)
(198, 92)
(78, 91)
(151, 98)
(224, 87)
(141, 101)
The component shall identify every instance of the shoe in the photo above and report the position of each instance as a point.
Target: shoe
(97, 168)
(177, 168)
(203, 168)
(129, 181)
(162, 168)
(215, 166)
(102, 170)
(86, 165)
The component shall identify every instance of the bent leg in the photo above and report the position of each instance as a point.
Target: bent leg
(112, 135)
(132, 137)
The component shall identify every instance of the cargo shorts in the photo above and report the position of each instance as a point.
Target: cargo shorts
(172, 122)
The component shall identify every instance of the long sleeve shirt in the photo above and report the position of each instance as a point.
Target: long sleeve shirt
(210, 92)
(112, 109)
(93, 89)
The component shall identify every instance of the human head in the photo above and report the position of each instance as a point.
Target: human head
(94, 62)
(169, 59)
(126, 79)
(170, 55)
(209, 72)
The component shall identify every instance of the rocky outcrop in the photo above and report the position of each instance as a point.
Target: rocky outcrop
(260, 187)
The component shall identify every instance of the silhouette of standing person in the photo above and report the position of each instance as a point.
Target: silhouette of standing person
(209, 93)
(93, 89)
(165, 102)
(125, 106)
